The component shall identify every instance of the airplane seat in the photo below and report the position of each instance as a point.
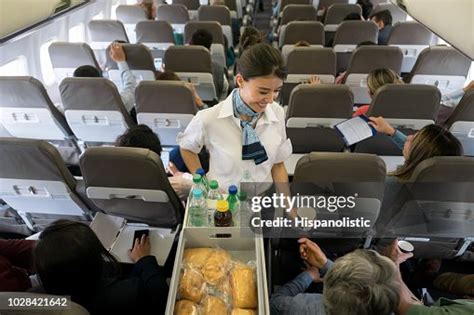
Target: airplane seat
(193, 65)
(220, 14)
(102, 33)
(285, 3)
(218, 53)
(175, 14)
(298, 12)
(167, 107)
(361, 176)
(130, 15)
(235, 7)
(442, 66)
(140, 192)
(67, 57)
(412, 38)
(348, 35)
(27, 111)
(365, 59)
(191, 5)
(461, 122)
(139, 60)
(407, 107)
(303, 62)
(35, 182)
(434, 210)
(71, 309)
(312, 113)
(94, 109)
(157, 36)
(335, 14)
(309, 31)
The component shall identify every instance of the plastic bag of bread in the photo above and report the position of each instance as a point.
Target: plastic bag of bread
(241, 311)
(191, 285)
(185, 307)
(244, 287)
(216, 267)
(213, 305)
(196, 257)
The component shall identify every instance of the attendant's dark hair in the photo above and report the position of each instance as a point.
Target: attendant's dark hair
(87, 72)
(250, 36)
(384, 15)
(71, 260)
(140, 136)
(261, 60)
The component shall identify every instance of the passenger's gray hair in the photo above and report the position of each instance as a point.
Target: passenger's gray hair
(363, 283)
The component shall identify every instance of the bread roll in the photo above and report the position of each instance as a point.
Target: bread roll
(216, 267)
(241, 311)
(213, 305)
(244, 287)
(185, 307)
(196, 257)
(191, 286)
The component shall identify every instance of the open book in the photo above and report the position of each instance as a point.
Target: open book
(117, 237)
(355, 129)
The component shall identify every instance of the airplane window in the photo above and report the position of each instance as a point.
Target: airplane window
(46, 66)
(114, 14)
(76, 33)
(17, 66)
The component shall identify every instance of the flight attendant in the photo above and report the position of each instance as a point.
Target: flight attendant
(245, 134)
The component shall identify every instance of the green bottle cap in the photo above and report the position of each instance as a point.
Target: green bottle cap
(197, 178)
(213, 184)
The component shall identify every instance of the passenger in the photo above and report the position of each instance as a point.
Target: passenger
(375, 80)
(352, 17)
(246, 132)
(171, 76)
(140, 136)
(449, 101)
(366, 6)
(361, 282)
(383, 20)
(129, 82)
(204, 38)
(302, 43)
(150, 8)
(70, 260)
(16, 264)
(430, 141)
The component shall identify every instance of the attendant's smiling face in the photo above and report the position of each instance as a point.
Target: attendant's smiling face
(258, 92)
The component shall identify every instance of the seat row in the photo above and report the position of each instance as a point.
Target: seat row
(35, 180)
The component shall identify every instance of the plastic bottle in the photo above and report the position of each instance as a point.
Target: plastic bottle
(222, 215)
(197, 183)
(205, 182)
(244, 209)
(233, 200)
(247, 183)
(212, 197)
(197, 209)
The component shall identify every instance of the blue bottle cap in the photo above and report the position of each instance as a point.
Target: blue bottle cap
(197, 193)
(232, 189)
(201, 172)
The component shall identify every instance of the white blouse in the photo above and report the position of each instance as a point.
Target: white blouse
(221, 133)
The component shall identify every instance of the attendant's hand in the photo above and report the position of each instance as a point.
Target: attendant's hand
(311, 253)
(141, 248)
(381, 125)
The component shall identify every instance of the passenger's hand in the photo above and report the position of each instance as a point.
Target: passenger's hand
(116, 52)
(141, 248)
(395, 254)
(197, 99)
(469, 87)
(181, 186)
(381, 125)
(314, 273)
(311, 253)
(314, 80)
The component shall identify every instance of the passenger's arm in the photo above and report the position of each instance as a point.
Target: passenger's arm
(129, 82)
(382, 126)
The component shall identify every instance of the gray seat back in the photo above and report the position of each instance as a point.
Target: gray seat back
(217, 13)
(298, 12)
(139, 192)
(172, 13)
(188, 59)
(336, 13)
(309, 31)
(212, 26)
(104, 32)
(191, 5)
(461, 122)
(353, 33)
(312, 61)
(66, 57)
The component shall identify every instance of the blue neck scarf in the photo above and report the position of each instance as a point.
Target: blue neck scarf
(252, 149)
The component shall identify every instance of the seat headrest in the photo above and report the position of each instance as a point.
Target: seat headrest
(445, 169)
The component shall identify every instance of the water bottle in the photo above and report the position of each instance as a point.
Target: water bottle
(205, 182)
(244, 209)
(247, 184)
(212, 197)
(197, 183)
(233, 200)
(197, 208)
